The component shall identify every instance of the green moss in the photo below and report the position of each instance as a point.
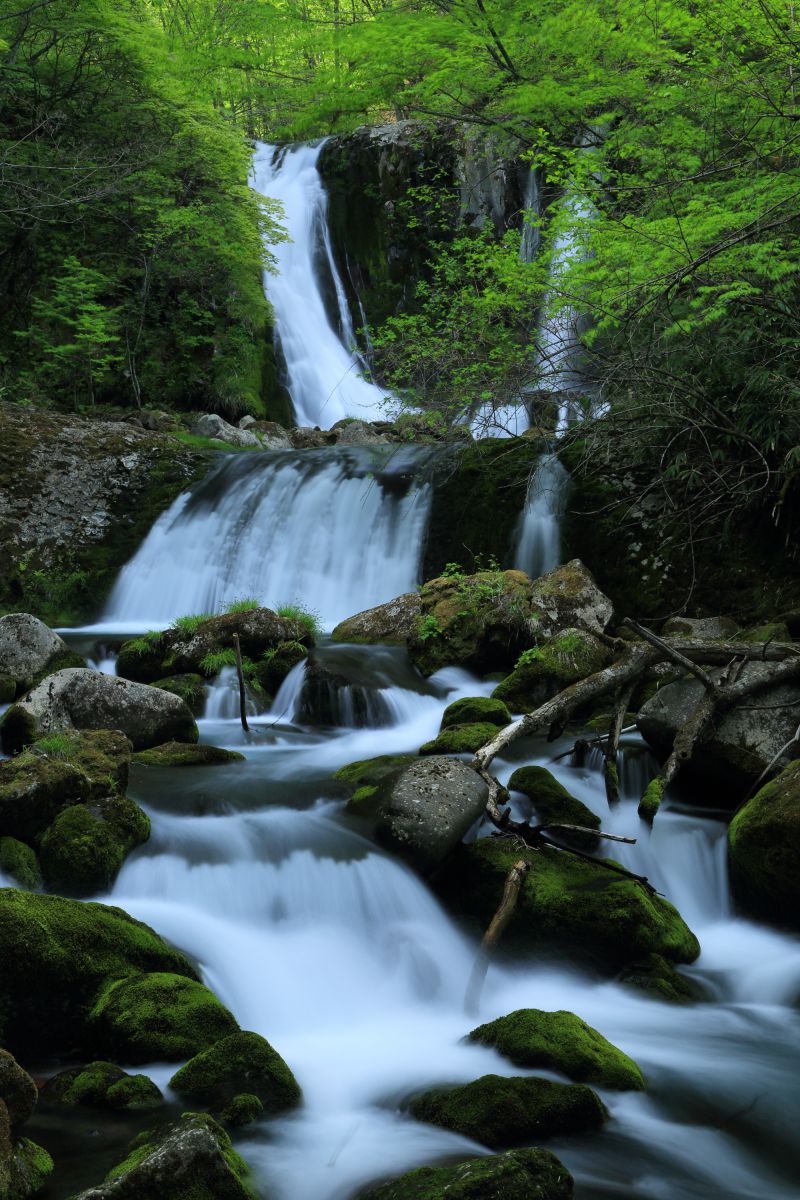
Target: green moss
(102, 754)
(29, 1168)
(370, 771)
(193, 1159)
(544, 670)
(553, 803)
(242, 1062)
(20, 862)
(560, 1041)
(277, 663)
(242, 1110)
(500, 1112)
(102, 1085)
(85, 847)
(773, 631)
(159, 1016)
(185, 754)
(472, 710)
(33, 791)
(306, 617)
(191, 688)
(651, 800)
(764, 850)
(142, 659)
(529, 1174)
(659, 979)
(460, 739)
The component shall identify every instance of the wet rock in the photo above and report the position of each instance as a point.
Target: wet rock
(387, 624)
(83, 699)
(500, 1112)
(20, 862)
(461, 739)
(568, 598)
(529, 1174)
(212, 426)
(568, 907)
(240, 1063)
(34, 789)
(102, 1085)
(305, 438)
(242, 1110)
(764, 850)
(351, 432)
(422, 810)
(17, 1091)
(183, 754)
(157, 420)
(554, 803)
(277, 663)
(273, 436)
(190, 1160)
(29, 650)
(560, 1041)
(546, 669)
(82, 851)
(703, 629)
(24, 1166)
(473, 709)
(659, 979)
(191, 688)
(742, 744)
(369, 772)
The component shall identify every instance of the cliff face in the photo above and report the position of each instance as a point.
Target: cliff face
(77, 496)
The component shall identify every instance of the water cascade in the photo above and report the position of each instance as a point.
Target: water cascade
(538, 534)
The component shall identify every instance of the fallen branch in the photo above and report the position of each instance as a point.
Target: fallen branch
(672, 654)
(609, 837)
(242, 692)
(610, 773)
(511, 890)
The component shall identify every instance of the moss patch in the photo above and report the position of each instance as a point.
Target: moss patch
(240, 1063)
(544, 670)
(102, 1085)
(472, 710)
(460, 739)
(554, 803)
(659, 979)
(764, 850)
(529, 1174)
(191, 688)
(85, 847)
(20, 862)
(370, 771)
(185, 754)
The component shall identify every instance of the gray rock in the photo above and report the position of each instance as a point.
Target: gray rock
(273, 436)
(569, 596)
(703, 628)
(212, 426)
(305, 438)
(743, 743)
(81, 699)
(157, 420)
(27, 648)
(247, 422)
(388, 624)
(359, 433)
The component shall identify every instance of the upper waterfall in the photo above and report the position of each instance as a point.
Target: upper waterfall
(324, 369)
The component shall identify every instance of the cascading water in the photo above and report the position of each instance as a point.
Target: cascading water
(538, 533)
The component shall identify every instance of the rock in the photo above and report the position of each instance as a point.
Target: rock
(659, 979)
(34, 789)
(461, 739)
(560, 1041)
(157, 420)
(182, 754)
(103, 755)
(743, 743)
(389, 624)
(567, 907)
(544, 670)
(157, 1017)
(24, 1170)
(84, 848)
(473, 709)
(709, 629)
(29, 650)
(764, 850)
(553, 802)
(242, 1110)
(276, 665)
(190, 1160)
(20, 862)
(500, 1112)
(529, 1174)
(191, 688)
(351, 432)
(246, 422)
(273, 436)
(569, 598)
(17, 1091)
(102, 1085)
(773, 631)
(422, 810)
(369, 772)
(304, 438)
(212, 426)
(240, 1063)
(83, 699)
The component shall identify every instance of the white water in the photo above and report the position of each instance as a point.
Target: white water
(538, 533)
(323, 369)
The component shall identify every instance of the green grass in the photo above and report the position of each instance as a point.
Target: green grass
(55, 745)
(243, 605)
(216, 660)
(190, 623)
(307, 617)
(144, 644)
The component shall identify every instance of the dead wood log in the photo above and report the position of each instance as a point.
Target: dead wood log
(511, 890)
(242, 692)
(611, 746)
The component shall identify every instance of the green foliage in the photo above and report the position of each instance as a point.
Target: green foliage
(307, 617)
(216, 660)
(54, 745)
(189, 624)
(145, 644)
(243, 605)
(428, 628)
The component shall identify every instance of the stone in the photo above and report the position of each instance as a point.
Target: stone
(473, 709)
(212, 426)
(83, 849)
(29, 650)
(20, 862)
(568, 597)
(709, 629)
(560, 1041)
(764, 850)
(240, 1063)
(653, 976)
(304, 438)
(502, 1112)
(527, 1174)
(461, 739)
(242, 1110)
(102, 1085)
(389, 624)
(17, 1091)
(26, 1170)
(246, 422)
(34, 789)
(542, 671)
(351, 432)
(186, 754)
(191, 687)
(422, 810)
(273, 436)
(157, 420)
(553, 802)
(81, 699)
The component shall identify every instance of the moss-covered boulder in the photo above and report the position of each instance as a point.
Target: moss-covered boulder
(500, 1112)
(34, 789)
(242, 1110)
(657, 978)
(388, 624)
(102, 1085)
(560, 1041)
(103, 755)
(528, 1174)
(191, 688)
(186, 754)
(17, 1091)
(240, 1063)
(29, 651)
(367, 773)
(568, 598)
(24, 1167)
(764, 850)
(568, 907)
(20, 862)
(192, 1159)
(460, 739)
(553, 803)
(157, 1017)
(545, 669)
(276, 664)
(473, 710)
(84, 848)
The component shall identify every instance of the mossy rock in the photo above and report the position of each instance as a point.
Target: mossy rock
(473, 710)
(186, 754)
(546, 669)
(34, 789)
(764, 850)
(657, 978)
(190, 687)
(242, 1110)
(56, 955)
(102, 1085)
(527, 1174)
(553, 803)
(773, 631)
(20, 862)
(276, 665)
(369, 772)
(86, 845)
(240, 1063)
(500, 1112)
(142, 659)
(8, 689)
(18, 1092)
(26, 1171)
(103, 755)
(460, 739)
(560, 1041)
(158, 1017)
(567, 907)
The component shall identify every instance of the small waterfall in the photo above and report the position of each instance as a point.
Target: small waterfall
(323, 371)
(336, 530)
(538, 534)
(222, 698)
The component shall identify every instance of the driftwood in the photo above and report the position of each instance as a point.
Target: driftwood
(240, 676)
(611, 745)
(511, 890)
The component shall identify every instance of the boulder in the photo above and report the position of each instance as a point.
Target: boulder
(423, 809)
(81, 699)
(553, 802)
(84, 848)
(502, 1112)
(17, 1091)
(34, 789)
(529, 1174)
(212, 426)
(764, 850)
(192, 1159)
(276, 664)
(24, 1166)
(544, 670)
(568, 907)
(659, 979)
(560, 1041)
(389, 624)
(352, 432)
(742, 744)
(29, 650)
(102, 1085)
(568, 598)
(461, 739)
(186, 754)
(20, 863)
(156, 420)
(190, 687)
(305, 438)
(273, 436)
(472, 709)
(242, 1063)
(710, 629)
(242, 1109)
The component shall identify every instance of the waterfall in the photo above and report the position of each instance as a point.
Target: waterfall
(336, 530)
(538, 533)
(324, 371)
